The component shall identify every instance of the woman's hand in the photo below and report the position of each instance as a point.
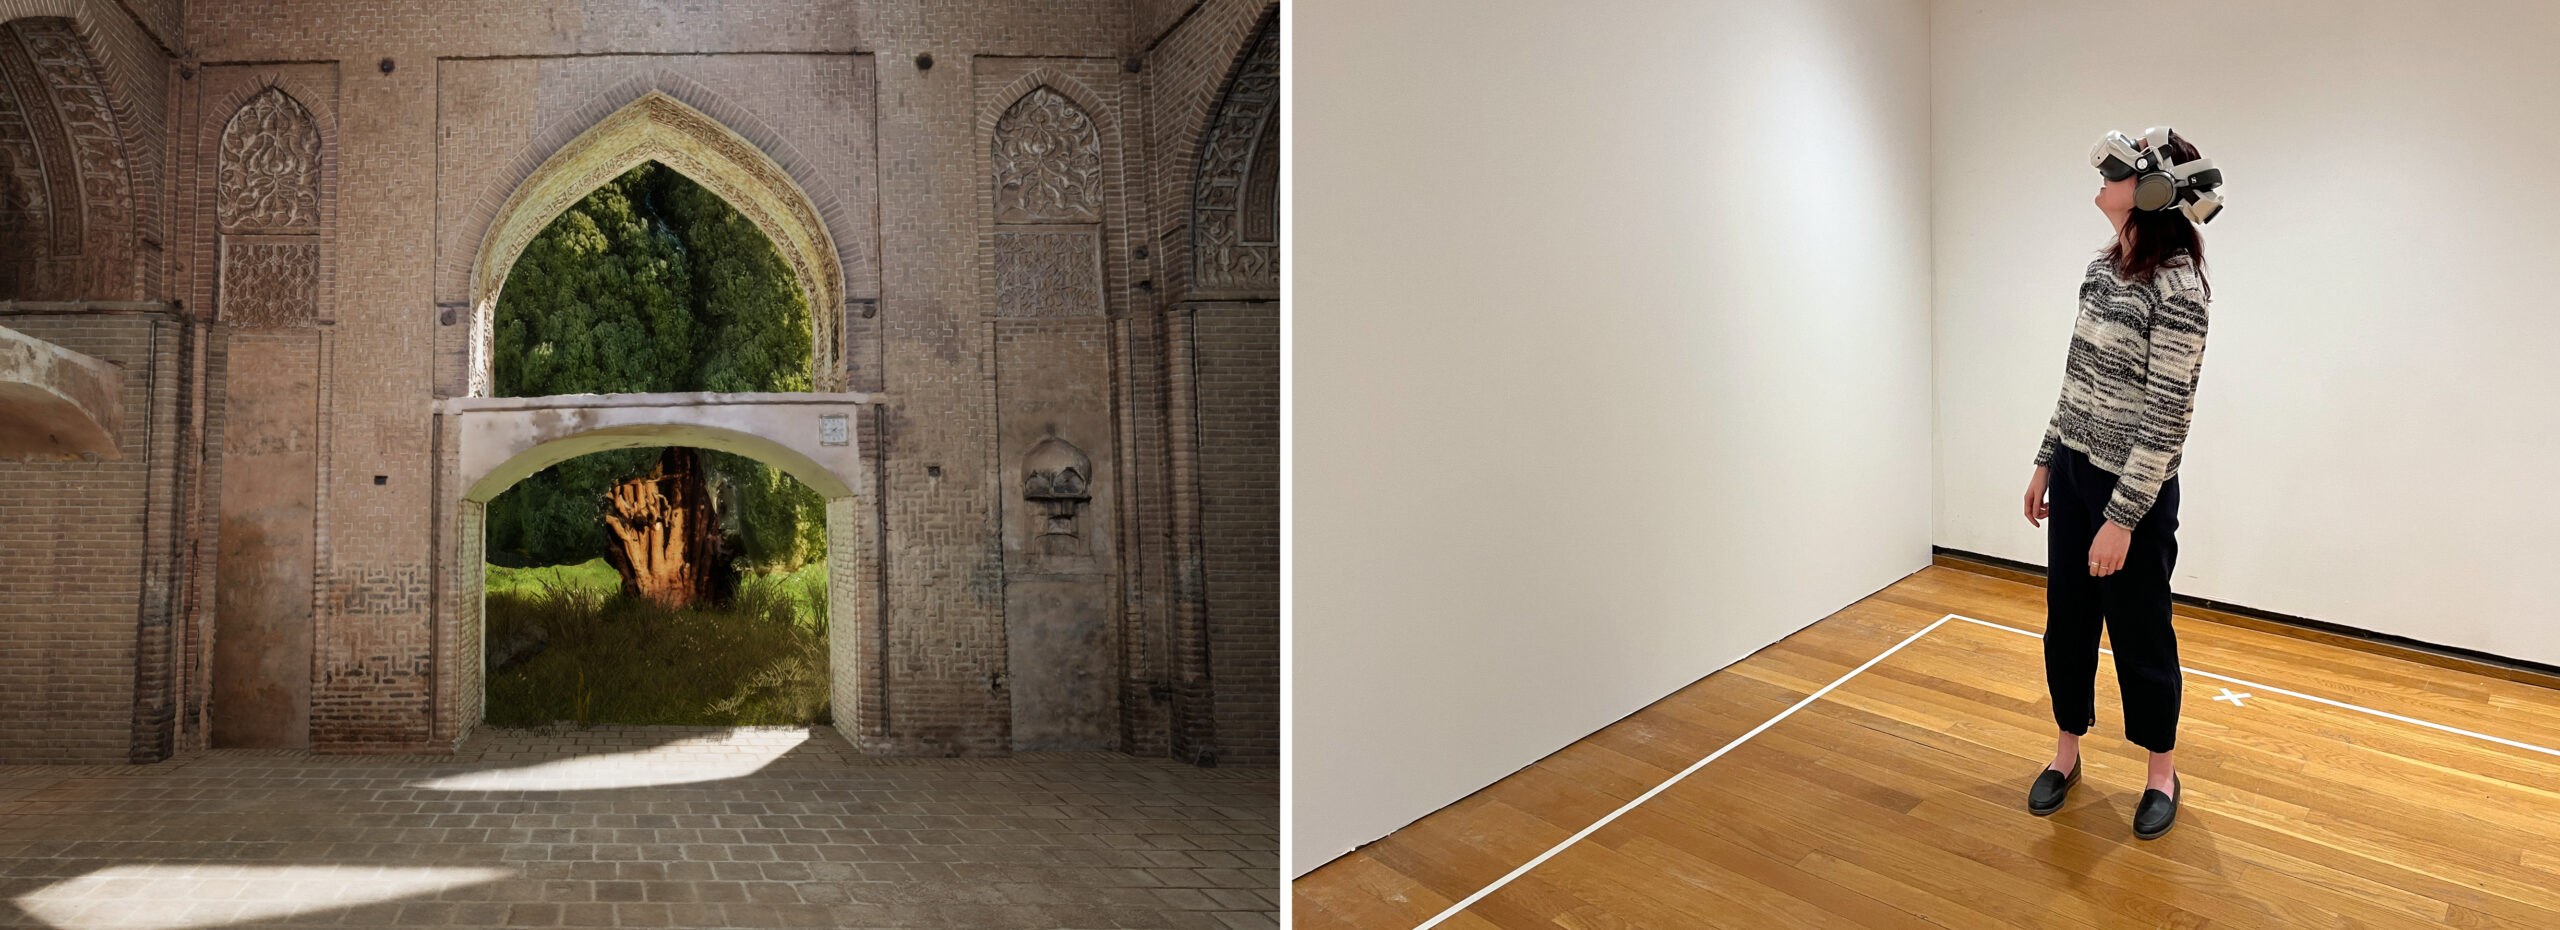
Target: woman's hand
(2106, 553)
(2036, 507)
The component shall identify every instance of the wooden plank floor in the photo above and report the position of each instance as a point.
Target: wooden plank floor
(1898, 798)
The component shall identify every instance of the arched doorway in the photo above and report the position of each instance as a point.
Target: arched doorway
(822, 440)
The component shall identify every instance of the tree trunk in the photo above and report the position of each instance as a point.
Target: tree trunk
(667, 541)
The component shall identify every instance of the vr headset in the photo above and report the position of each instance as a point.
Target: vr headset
(2159, 184)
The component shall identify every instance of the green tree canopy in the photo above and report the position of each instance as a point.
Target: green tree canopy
(651, 283)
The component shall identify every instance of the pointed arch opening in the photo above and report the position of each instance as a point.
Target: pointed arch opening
(665, 130)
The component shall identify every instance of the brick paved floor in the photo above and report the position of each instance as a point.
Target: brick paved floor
(640, 827)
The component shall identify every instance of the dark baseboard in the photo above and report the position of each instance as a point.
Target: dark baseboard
(2398, 647)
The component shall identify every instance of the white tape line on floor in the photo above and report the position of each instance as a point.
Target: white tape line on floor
(1897, 647)
(2500, 740)
(1668, 782)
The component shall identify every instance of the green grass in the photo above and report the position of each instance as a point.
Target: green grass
(591, 574)
(761, 660)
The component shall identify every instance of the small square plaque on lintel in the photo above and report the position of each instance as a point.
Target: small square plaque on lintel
(831, 429)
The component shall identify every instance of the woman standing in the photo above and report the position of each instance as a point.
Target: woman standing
(2110, 458)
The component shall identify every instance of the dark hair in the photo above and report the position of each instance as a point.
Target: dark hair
(2159, 235)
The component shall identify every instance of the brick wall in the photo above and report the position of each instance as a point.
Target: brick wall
(199, 528)
(1232, 427)
(470, 539)
(1238, 357)
(893, 156)
(73, 548)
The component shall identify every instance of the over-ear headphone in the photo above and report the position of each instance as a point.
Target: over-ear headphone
(2160, 182)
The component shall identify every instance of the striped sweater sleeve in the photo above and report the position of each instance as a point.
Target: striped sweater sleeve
(2052, 445)
(2176, 359)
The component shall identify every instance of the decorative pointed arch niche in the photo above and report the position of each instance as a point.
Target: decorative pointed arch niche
(69, 220)
(660, 128)
(1235, 210)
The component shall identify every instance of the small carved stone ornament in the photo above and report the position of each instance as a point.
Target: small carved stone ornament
(1057, 479)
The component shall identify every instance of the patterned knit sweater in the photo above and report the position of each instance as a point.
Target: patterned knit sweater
(2129, 386)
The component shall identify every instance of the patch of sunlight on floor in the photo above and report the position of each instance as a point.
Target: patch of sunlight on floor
(172, 895)
(709, 757)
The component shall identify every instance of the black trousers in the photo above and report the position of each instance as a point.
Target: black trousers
(2133, 604)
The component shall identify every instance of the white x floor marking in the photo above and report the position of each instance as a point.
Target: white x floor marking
(2226, 695)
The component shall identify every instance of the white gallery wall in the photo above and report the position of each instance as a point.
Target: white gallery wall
(1610, 366)
(1630, 338)
(2378, 415)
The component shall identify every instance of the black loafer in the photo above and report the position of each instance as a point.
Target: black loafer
(2051, 789)
(2157, 810)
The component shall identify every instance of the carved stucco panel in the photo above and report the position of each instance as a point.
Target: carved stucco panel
(1048, 161)
(269, 174)
(23, 203)
(88, 124)
(269, 282)
(1048, 271)
(48, 147)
